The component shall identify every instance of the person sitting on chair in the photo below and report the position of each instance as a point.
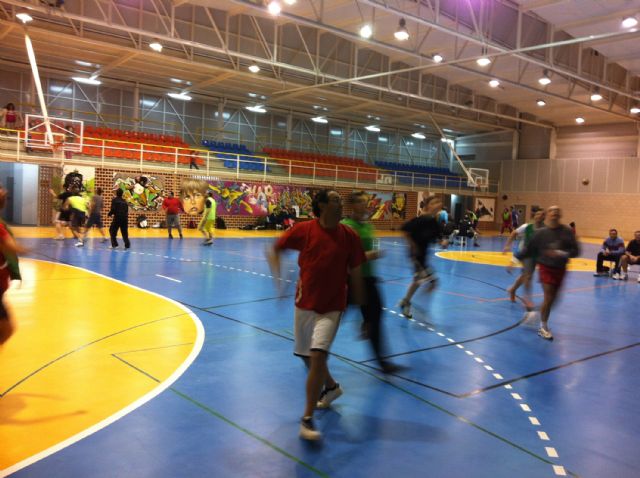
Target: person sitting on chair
(612, 250)
(465, 229)
(631, 256)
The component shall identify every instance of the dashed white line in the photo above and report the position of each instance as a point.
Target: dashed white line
(489, 368)
(551, 451)
(516, 396)
(525, 407)
(508, 387)
(168, 278)
(543, 436)
(460, 346)
(468, 352)
(534, 421)
(450, 340)
(498, 376)
(559, 470)
(478, 359)
(440, 334)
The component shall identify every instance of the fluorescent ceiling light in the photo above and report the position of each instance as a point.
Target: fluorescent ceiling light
(179, 96)
(437, 58)
(409, 143)
(382, 139)
(176, 80)
(336, 132)
(320, 119)
(366, 31)
(372, 128)
(256, 109)
(483, 61)
(541, 103)
(446, 130)
(24, 16)
(579, 120)
(83, 63)
(254, 68)
(596, 96)
(629, 22)
(253, 95)
(418, 136)
(155, 45)
(634, 110)
(402, 33)
(274, 7)
(87, 81)
(494, 83)
(290, 2)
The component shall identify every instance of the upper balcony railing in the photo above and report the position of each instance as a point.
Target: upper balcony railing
(108, 153)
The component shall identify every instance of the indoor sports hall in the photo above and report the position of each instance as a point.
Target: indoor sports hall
(172, 355)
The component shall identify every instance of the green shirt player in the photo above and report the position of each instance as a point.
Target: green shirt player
(372, 309)
(208, 221)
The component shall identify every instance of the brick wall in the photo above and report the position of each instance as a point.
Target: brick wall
(104, 179)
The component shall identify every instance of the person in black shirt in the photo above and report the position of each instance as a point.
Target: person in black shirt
(421, 232)
(120, 212)
(63, 218)
(630, 256)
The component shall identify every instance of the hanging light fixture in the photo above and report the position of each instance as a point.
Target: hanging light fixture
(494, 83)
(24, 16)
(544, 80)
(366, 31)
(274, 7)
(629, 22)
(155, 45)
(541, 103)
(437, 58)
(635, 110)
(254, 68)
(579, 120)
(402, 33)
(483, 60)
(596, 96)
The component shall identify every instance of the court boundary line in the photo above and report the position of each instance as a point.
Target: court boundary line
(162, 386)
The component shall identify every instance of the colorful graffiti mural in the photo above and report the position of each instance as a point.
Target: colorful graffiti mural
(142, 193)
(385, 206)
(244, 199)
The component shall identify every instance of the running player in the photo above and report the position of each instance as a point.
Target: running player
(63, 217)
(524, 233)
(9, 270)
(95, 216)
(208, 221)
(421, 232)
(79, 208)
(330, 254)
(372, 309)
(552, 247)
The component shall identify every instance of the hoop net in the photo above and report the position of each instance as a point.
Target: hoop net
(479, 179)
(58, 145)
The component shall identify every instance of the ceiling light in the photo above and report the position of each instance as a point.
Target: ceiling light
(336, 132)
(176, 80)
(634, 110)
(629, 22)
(155, 45)
(402, 33)
(483, 61)
(372, 128)
(256, 109)
(252, 95)
(443, 139)
(541, 103)
(254, 68)
(382, 139)
(179, 96)
(24, 16)
(544, 79)
(274, 7)
(437, 58)
(579, 120)
(418, 136)
(290, 2)
(87, 81)
(366, 31)
(596, 96)
(494, 83)
(84, 63)
(320, 119)
(448, 130)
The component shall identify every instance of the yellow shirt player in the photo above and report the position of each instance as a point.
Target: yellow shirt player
(208, 221)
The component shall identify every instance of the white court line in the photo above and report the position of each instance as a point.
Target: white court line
(559, 470)
(168, 278)
(161, 387)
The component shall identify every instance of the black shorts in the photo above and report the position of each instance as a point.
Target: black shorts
(95, 219)
(4, 315)
(64, 215)
(78, 218)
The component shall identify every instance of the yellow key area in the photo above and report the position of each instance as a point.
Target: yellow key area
(506, 259)
(64, 369)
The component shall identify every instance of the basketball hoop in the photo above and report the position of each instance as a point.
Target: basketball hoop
(57, 147)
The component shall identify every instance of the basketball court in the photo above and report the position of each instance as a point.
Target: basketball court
(171, 359)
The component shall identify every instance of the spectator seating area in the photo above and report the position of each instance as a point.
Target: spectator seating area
(229, 153)
(423, 175)
(329, 166)
(124, 144)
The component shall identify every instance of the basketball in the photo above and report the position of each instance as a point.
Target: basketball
(585, 181)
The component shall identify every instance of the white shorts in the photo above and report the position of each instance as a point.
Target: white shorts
(314, 331)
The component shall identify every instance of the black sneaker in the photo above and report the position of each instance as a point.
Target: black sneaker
(308, 430)
(170, 236)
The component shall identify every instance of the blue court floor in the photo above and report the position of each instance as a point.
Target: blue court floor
(481, 395)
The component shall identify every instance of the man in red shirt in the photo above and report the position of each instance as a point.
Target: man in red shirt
(9, 250)
(330, 254)
(173, 208)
